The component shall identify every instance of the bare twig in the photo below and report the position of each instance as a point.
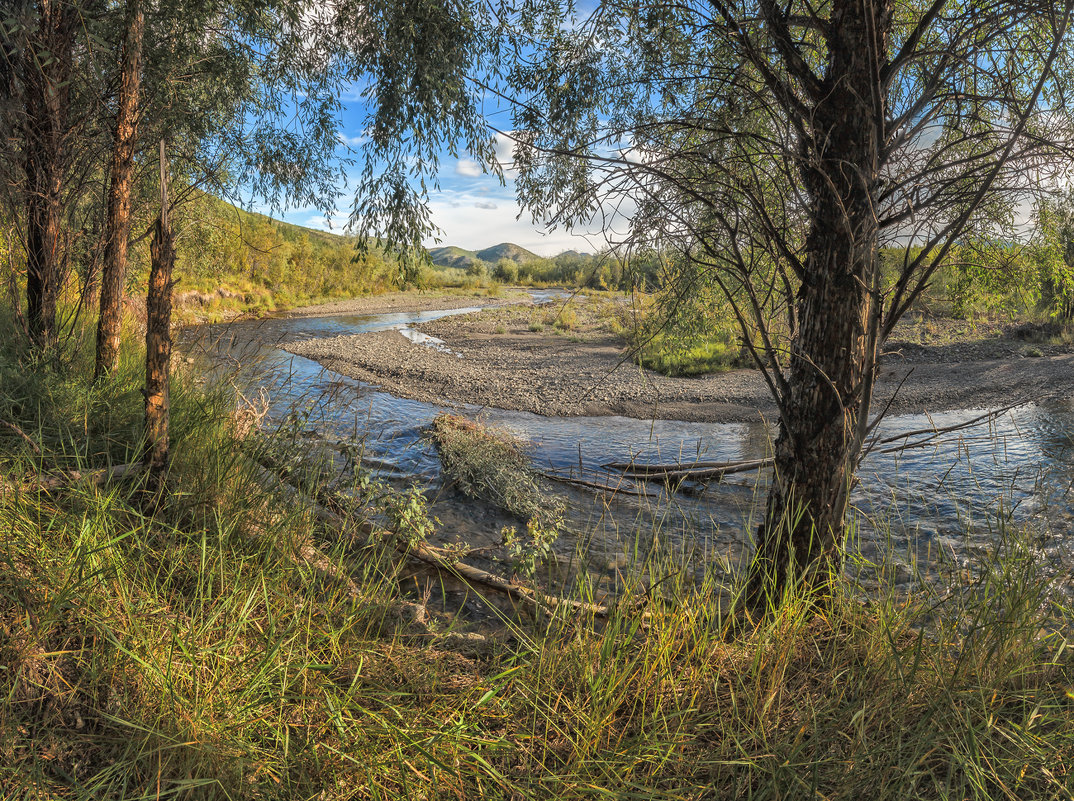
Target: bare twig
(11, 426)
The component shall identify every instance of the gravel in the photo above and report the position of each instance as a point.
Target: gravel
(509, 366)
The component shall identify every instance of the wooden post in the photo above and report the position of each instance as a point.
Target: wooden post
(158, 341)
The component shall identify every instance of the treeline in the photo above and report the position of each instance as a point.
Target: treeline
(1002, 278)
(116, 117)
(645, 272)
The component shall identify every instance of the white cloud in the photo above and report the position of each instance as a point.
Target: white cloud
(455, 214)
(334, 223)
(469, 168)
(352, 141)
(503, 155)
(505, 152)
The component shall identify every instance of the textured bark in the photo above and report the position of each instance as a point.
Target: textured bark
(118, 215)
(833, 353)
(46, 79)
(158, 340)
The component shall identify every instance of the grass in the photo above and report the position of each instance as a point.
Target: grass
(181, 647)
(701, 356)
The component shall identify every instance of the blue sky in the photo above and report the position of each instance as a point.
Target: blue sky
(472, 209)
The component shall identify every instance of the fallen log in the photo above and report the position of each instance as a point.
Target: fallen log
(581, 482)
(95, 477)
(438, 558)
(55, 481)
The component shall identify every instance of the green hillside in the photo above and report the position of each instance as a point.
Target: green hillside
(451, 256)
(229, 258)
(509, 251)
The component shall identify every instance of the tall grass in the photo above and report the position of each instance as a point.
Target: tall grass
(183, 647)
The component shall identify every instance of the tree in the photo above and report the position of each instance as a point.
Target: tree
(506, 271)
(1055, 256)
(237, 90)
(39, 57)
(158, 340)
(778, 147)
(118, 220)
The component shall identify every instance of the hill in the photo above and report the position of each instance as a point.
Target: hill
(509, 251)
(451, 256)
(231, 259)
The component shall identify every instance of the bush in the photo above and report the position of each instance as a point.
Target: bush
(564, 319)
(506, 271)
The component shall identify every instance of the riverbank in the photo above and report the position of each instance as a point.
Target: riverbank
(414, 301)
(522, 357)
(223, 305)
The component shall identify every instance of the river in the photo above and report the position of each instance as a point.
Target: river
(934, 507)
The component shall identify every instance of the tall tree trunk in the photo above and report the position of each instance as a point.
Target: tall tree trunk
(833, 354)
(158, 341)
(46, 80)
(118, 215)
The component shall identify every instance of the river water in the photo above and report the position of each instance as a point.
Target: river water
(938, 504)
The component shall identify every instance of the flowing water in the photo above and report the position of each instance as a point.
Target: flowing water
(935, 503)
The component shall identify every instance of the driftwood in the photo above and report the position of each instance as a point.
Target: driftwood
(329, 511)
(698, 471)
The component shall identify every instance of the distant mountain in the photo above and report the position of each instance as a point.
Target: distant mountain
(460, 258)
(509, 251)
(451, 256)
(576, 254)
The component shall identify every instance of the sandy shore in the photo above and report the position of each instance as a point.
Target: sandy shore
(495, 359)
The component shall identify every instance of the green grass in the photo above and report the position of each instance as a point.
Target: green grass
(184, 647)
(699, 357)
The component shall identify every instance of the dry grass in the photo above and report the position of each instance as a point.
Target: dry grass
(493, 466)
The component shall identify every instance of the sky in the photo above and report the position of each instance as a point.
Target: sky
(472, 209)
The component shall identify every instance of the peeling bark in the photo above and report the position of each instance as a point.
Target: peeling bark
(46, 78)
(158, 341)
(834, 352)
(118, 219)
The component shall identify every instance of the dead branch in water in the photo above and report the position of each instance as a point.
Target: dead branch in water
(618, 489)
(710, 471)
(698, 471)
(932, 432)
